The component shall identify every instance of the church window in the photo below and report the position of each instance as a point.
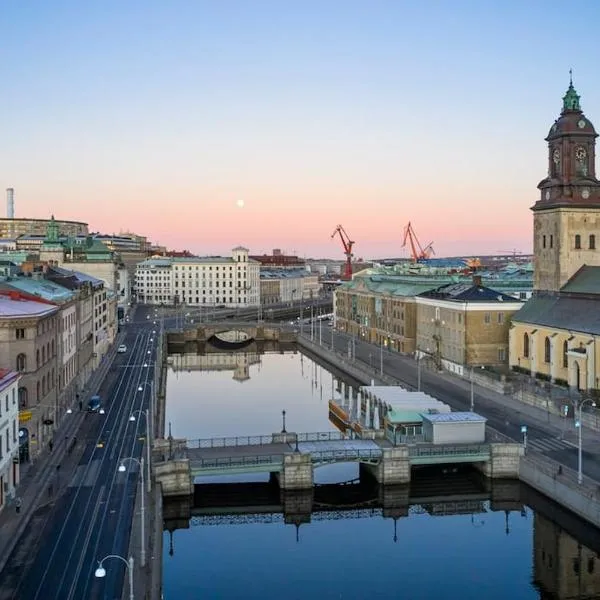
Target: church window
(551, 240)
(547, 350)
(565, 355)
(577, 242)
(543, 241)
(592, 242)
(526, 345)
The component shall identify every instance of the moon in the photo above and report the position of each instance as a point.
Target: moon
(240, 203)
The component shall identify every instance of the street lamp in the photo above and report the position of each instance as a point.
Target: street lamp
(144, 413)
(152, 408)
(472, 392)
(579, 426)
(122, 469)
(100, 572)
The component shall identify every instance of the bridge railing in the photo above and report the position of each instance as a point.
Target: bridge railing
(231, 462)
(324, 436)
(343, 455)
(225, 442)
(455, 450)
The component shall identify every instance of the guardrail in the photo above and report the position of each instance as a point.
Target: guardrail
(224, 442)
(456, 450)
(345, 455)
(325, 436)
(232, 462)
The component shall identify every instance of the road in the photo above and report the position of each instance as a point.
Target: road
(544, 437)
(92, 513)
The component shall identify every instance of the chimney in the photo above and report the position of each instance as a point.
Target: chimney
(10, 203)
(477, 280)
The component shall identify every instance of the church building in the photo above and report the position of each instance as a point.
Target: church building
(554, 336)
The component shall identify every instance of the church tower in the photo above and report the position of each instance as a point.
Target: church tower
(566, 217)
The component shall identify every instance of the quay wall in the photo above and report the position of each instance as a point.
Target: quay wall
(560, 484)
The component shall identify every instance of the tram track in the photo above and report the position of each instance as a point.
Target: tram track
(79, 523)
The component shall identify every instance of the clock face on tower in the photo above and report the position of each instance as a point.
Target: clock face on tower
(581, 124)
(580, 153)
(585, 193)
(556, 156)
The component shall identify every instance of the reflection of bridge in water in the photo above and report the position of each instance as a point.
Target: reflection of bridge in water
(433, 491)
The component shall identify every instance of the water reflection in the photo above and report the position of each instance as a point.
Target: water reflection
(445, 536)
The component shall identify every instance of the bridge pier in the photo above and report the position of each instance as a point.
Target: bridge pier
(175, 477)
(297, 472)
(504, 461)
(297, 506)
(394, 467)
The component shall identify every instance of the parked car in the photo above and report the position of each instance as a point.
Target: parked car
(122, 349)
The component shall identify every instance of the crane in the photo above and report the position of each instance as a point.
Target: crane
(514, 252)
(347, 244)
(416, 250)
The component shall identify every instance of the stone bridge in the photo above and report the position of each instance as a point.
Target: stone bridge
(234, 334)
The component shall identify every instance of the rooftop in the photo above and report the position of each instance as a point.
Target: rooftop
(465, 292)
(585, 281)
(11, 308)
(7, 377)
(40, 287)
(455, 417)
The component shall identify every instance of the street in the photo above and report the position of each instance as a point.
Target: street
(90, 516)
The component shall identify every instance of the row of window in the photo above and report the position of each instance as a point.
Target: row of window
(548, 241)
(547, 350)
(6, 435)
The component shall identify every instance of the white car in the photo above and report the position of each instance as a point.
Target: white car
(122, 349)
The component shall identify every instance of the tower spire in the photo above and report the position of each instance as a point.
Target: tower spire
(571, 98)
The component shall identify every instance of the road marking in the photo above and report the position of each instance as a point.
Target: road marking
(550, 444)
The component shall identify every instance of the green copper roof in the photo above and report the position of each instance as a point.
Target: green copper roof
(571, 98)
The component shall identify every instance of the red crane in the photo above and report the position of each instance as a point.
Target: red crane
(347, 243)
(416, 250)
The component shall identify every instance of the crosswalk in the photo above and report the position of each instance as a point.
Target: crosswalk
(549, 444)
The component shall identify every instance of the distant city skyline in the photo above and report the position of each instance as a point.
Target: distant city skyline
(205, 125)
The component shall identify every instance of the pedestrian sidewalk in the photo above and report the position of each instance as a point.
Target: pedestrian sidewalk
(40, 475)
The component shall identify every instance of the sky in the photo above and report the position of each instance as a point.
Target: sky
(209, 124)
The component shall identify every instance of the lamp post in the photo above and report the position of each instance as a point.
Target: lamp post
(132, 418)
(472, 392)
(283, 420)
(152, 408)
(579, 426)
(418, 371)
(381, 359)
(122, 469)
(101, 571)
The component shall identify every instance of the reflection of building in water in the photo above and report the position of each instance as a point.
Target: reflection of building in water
(563, 568)
(238, 362)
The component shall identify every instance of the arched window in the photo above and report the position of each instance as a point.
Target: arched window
(577, 242)
(565, 356)
(37, 392)
(43, 355)
(37, 358)
(53, 350)
(526, 345)
(21, 362)
(43, 386)
(547, 350)
(592, 241)
(23, 397)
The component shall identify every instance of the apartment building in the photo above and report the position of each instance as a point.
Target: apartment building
(197, 281)
(28, 345)
(9, 434)
(287, 285)
(461, 326)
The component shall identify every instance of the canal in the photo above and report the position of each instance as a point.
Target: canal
(455, 536)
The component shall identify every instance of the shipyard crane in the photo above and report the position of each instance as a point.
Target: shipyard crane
(514, 252)
(417, 252)
(347, 244)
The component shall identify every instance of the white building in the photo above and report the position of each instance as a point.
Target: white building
(208, 280)
(68, 345)
(9, 439)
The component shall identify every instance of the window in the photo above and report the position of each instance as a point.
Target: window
(487, 318)
(437, 314)
(592, 241)
(23, 399)
(565, 355)
(500, 318)
(551, 240)
(577, 242)
(543, 241)
(21, 362)
(501, 355)
(20, 333)
(547, 350)
(526, 345)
